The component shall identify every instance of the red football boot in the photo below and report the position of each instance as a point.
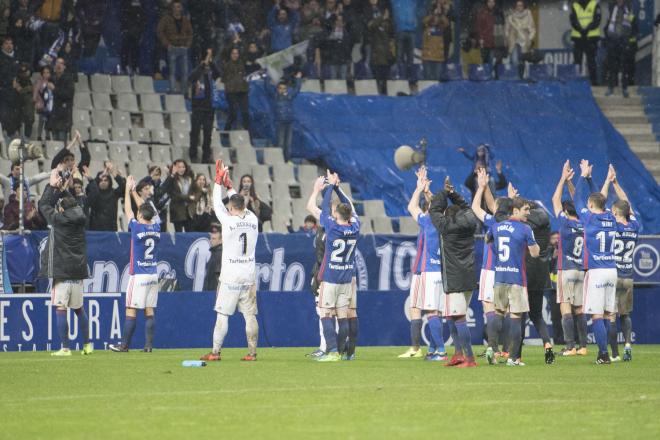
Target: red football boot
(249, 357)
(210, 357)
(455, 360)
(469, 362)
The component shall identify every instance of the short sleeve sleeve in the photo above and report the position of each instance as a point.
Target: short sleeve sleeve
(423, 219)
(489, 220)
(132, 224)
(529, 235)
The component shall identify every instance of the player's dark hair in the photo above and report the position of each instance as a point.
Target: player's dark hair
(237, 201)
(623, 208)
(344, 211)
(216, 227)
(67, 202)
(569, 207)
(310, 219)
(67, 155)
(146, 211)
(504, 208)
(519, 203)
(598, 200)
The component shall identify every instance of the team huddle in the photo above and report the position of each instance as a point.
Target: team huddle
(594, 269)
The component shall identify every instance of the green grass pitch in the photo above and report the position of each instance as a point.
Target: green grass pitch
(286, 395)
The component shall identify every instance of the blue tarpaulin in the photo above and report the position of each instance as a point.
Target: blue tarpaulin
(532, 128)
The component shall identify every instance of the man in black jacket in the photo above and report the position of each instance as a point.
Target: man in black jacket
(61, 118)
(201, 93)
(103, 198)
(214, 265)
(64, 258)
(456, 225)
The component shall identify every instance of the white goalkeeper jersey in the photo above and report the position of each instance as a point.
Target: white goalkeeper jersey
(239, 241)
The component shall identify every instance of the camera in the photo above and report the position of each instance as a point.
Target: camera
(245, 187)
(65, 174)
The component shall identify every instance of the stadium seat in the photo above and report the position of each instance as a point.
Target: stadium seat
(273, 156)
(299, 205)
(540, 72)
(118, 152)
(284, 173)
(311, 85)
(451, 72)
(179, 153)
(263, 190)
(200, 168)
(139, 134)
(98, 134)
(153, 120)
(246, 156)
(82, 101)
(137, 169)
(81, 118)
(127, 102)
(239, 138)
(479, 72)
(261, 173)
(101, 83)
(84, 133)
(140, 153)
(366, 87)
(281, 206)
(425, 84)
(346, 188)
(151, 103)
(180, 138)
(101, 118)
(307, 173)
(160, 136)
(568, 72)
(96, 166)
(408, 226)
(175, 104)
(52, 147)
(394, 87)
(98, 151)
(278, 223)
(280, 190)
(335, 86)
(382, 225)
(143, 84)
(121, 84)
(82, 85)
(31, 167)
(101, 101)
(507, 72)
(161, 154)
(238, 170)
(121, 119)
(374, 208)
(180, 121)
(120, 134)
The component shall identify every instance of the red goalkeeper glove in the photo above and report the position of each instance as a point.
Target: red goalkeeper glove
(222, 175)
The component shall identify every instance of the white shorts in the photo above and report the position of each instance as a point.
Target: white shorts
(427, 291)
(230, 296)
(335, 296)
(456, 303)
(570, 287)
(142, 291)
(487, 285)
(599, 291)
(67, 294)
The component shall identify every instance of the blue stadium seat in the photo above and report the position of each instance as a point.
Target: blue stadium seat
(507, 72)
(540, 72)
(451, 72)
(568, 72)
(480, 72)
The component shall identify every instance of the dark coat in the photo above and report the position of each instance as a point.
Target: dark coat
(283, 104)
(213, 267)
(319, 247)
(65, 255)
(457, 243)
(379, 33)
(103, 205)
(233, 75)
(201, 87)
(538, 277)
(61, 117)
(179, 201)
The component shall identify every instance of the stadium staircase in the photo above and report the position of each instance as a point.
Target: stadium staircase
(637, 118)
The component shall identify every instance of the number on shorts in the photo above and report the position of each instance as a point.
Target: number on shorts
(503, 249)
(339, 246)
(577, 246)
(243, 239)
(149, 252)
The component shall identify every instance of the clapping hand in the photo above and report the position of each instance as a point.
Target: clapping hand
(611, 174)
(319, 184)
(566, 171)
(511, 191)
(482, 178)
(448, 185)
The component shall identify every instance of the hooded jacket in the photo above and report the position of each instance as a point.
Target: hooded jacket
(103, 204)
(538, 269)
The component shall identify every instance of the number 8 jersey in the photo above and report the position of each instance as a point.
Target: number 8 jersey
(340, 246)
(144, 245)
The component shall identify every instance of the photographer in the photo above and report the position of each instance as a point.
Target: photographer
(261, 209)
(201, 93)
(64, 258)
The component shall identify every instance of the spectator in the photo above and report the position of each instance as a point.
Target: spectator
(261, 209)
(103, 198)
(252, 14)
(433, 43)
(282, 24)
(90, 15)
(23, 36)
(405, 20)
(145, 190)
(42, 96)
(8, 70)
(175, 33)
(160, 198)
(5, 15)
(202, 20)
(67, 160)
(284, 113)
(177, 186)
(78, 193)
(335, 49)
(309, 226)
(501, 183)
(311, 17)
(482, 155)
(585, 33)
(331, 9)
(489, 33)
(236, 90)
(379, 32)
(214, 264)
(10, 181)
(254, 52)
(133, 20)
(32, 220)
(520, 32)
(621, 26)
(51, 13)
(24, 110)
(201, 84)
(60, 119)
(200, 205)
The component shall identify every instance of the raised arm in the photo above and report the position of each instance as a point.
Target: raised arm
(581, 189)
(482, 180)
(221, 179)
(566, 174)
(413, 204)
(489, 199)
(129, 187)
(611, 177)
(313, 209)
(620, 193)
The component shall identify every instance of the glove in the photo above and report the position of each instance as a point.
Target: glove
(220, 172)
(226, 181)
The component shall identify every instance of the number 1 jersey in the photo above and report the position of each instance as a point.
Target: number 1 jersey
(340, 246)
(144, 248)
(239, 241)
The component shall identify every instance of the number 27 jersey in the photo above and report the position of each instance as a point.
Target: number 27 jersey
(144, 248)
(340, 246)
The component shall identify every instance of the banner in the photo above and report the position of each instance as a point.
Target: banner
(5, 285)
(284, 261)
(286, 319)
(275, 63)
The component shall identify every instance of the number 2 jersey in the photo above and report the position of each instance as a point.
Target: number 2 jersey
(624, 247)
(511, 239)
(144, 248)
(340, 245)
(571, 241)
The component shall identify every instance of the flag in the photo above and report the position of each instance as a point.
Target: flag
(275, 63)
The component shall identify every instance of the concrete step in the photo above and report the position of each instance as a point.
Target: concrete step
(635, 129)
(599, 91)
(645, 148)
(653, 165)
(618, 101)
(625, 120)
(625, 112)
(644, 157)
(633, 138)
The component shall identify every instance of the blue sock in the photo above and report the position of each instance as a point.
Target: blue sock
(342, 335)
(62, 327)
(353, 328)
(129, 329)
(83, 323)
(458, 347)
(149, 329)
(600, 332)
(515, 332)
(330, 335)
(464, 336)
(435, 326)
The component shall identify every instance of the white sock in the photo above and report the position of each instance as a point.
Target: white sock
(220, 331)
(322, 345)
(251, 332)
